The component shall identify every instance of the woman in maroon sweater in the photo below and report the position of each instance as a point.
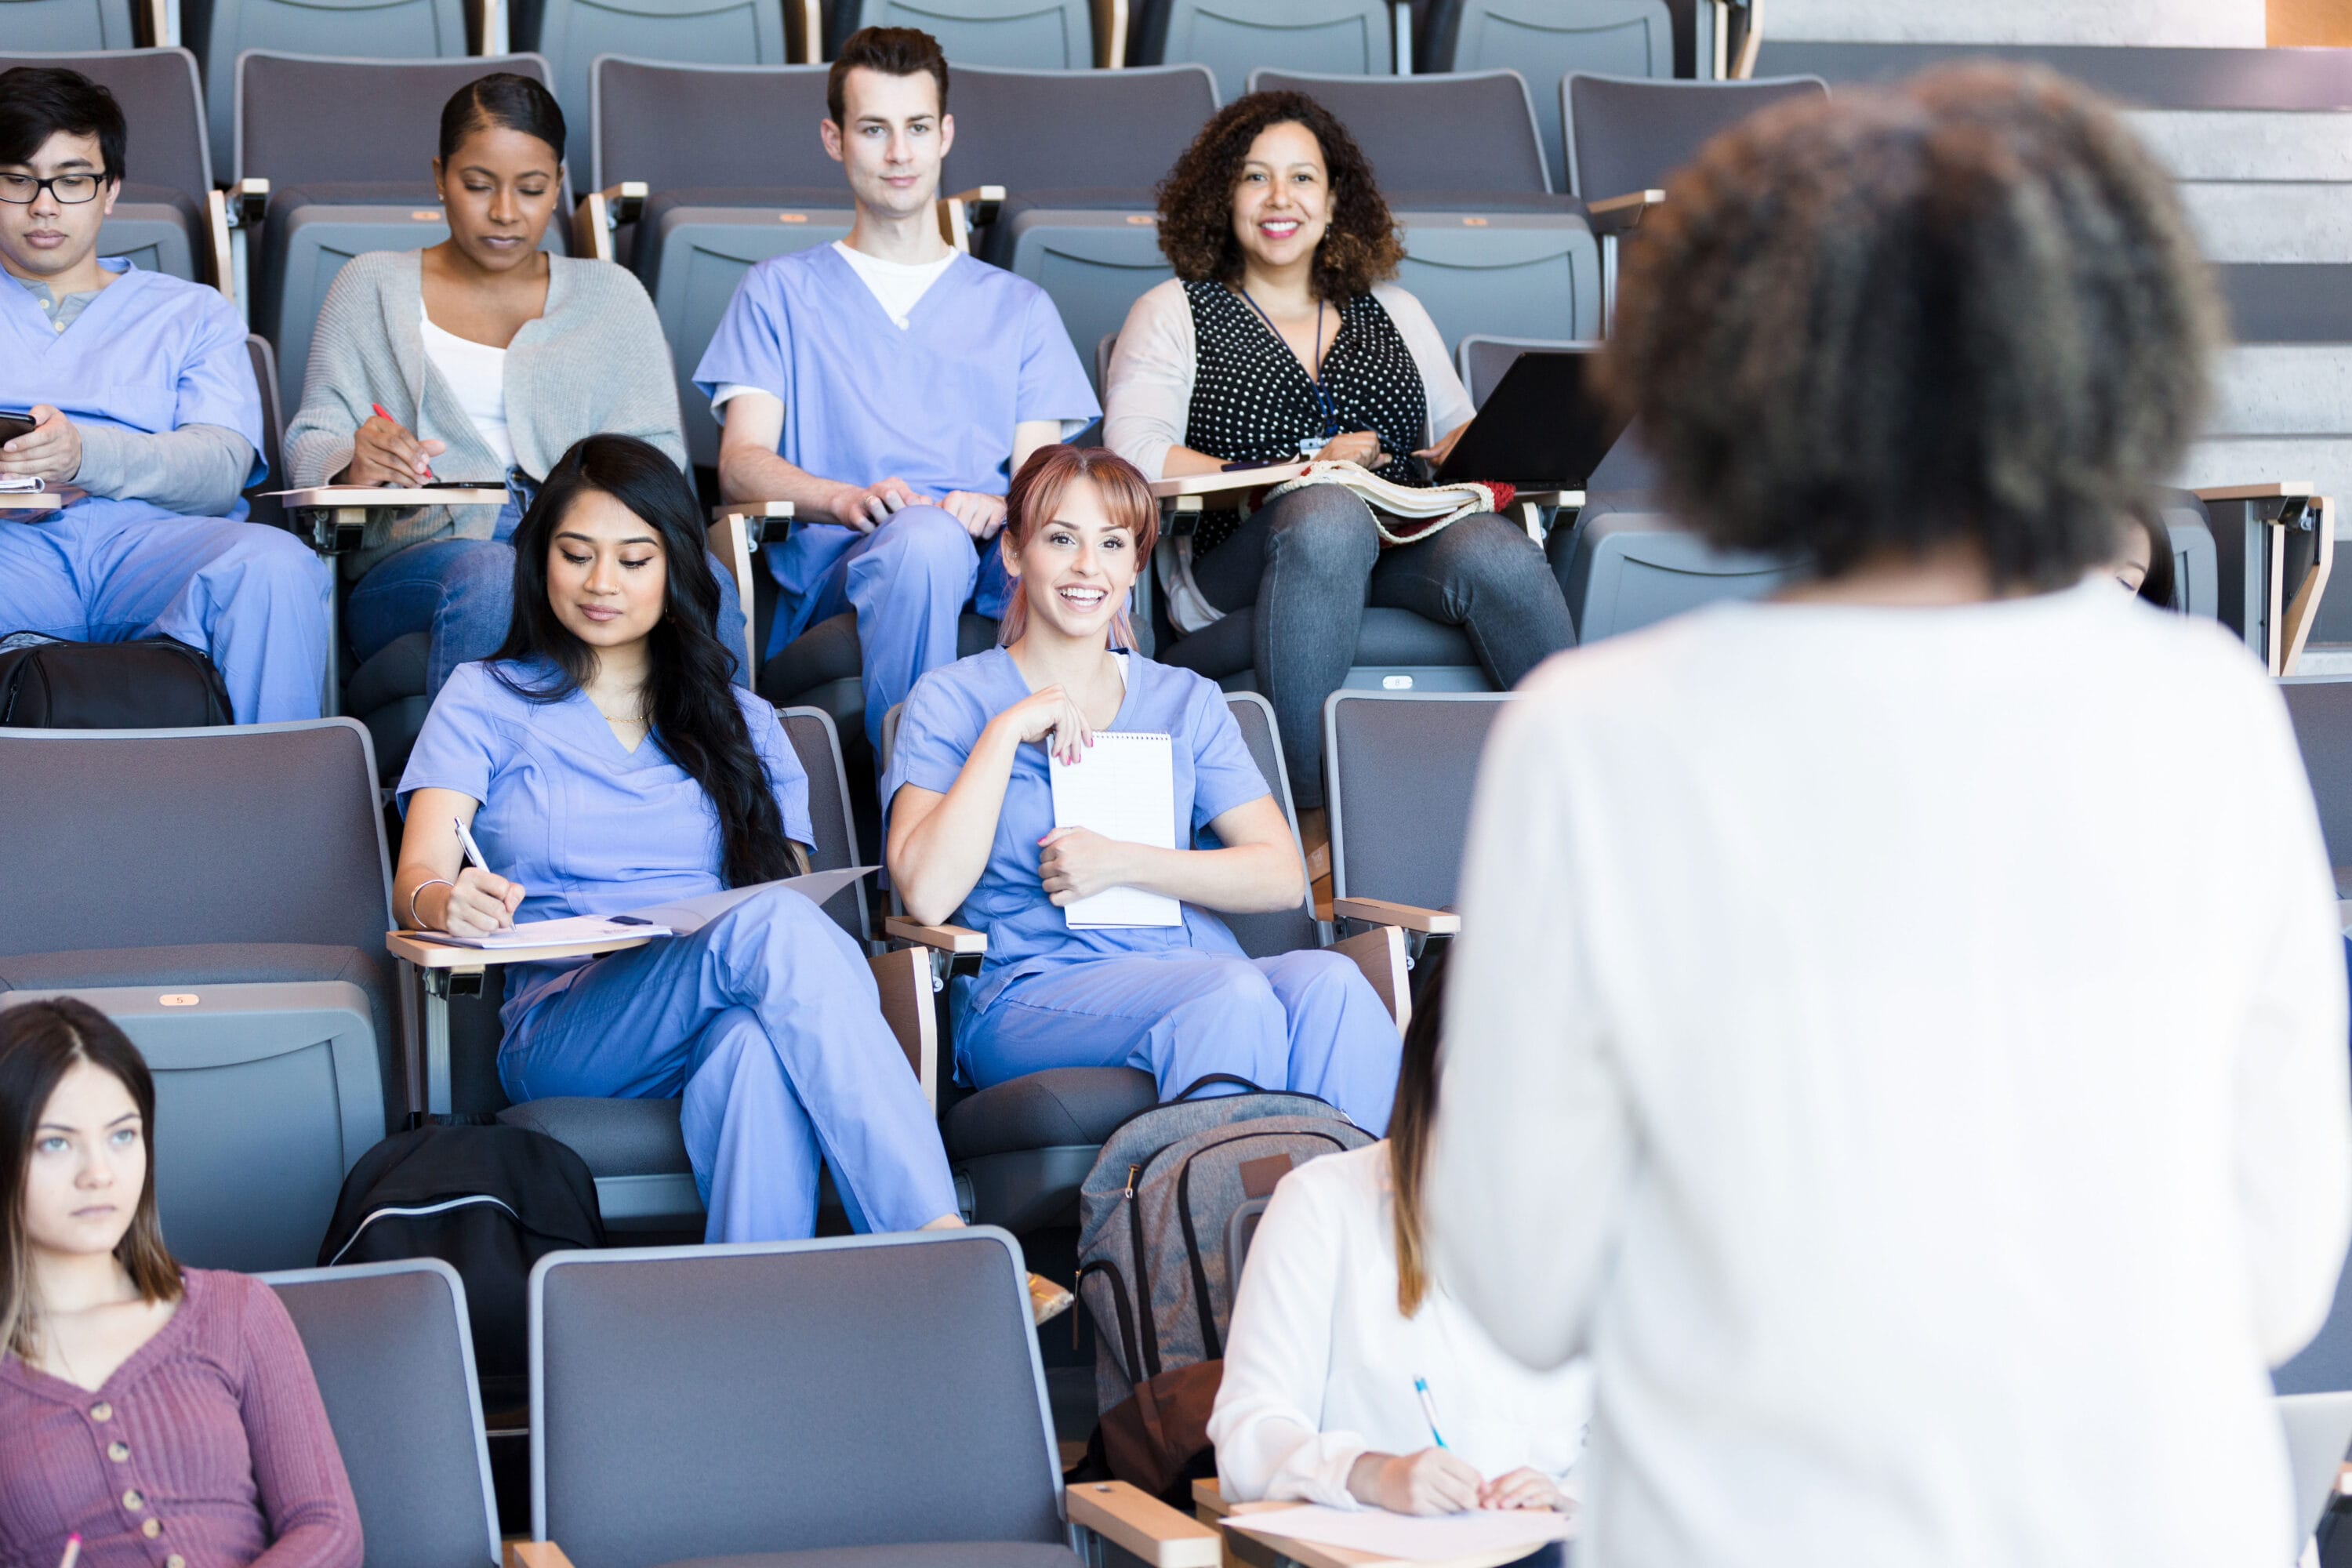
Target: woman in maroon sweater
(167, 1417)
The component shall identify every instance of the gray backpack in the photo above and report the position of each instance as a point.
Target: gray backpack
(1163, 1218)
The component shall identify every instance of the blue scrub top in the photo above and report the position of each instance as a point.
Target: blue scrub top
(934, 403)
(587, 827)
(151, 354)
(1027, 934)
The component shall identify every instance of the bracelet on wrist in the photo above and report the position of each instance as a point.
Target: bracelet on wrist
(416, 921)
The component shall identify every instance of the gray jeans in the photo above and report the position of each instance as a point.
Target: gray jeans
(1311, 563)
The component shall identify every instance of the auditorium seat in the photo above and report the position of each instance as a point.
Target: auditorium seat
(346, 146)
(68, 26)
(868, 1400)
(1080, 218)
(1237, 37)
(1396, 758)
(167, 218)
(392, 1351)
(1626, 565)
(572, 35)
(1019, 35)
(224, 894)
(2321, 710)
(633, 1147)
(1544, 40)
(221, 31)
(1489, 249)
(733, 174)
(1023, 1146)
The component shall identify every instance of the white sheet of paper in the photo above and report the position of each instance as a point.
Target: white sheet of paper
(1445, 1538)
(683, 917)
(1124, 787)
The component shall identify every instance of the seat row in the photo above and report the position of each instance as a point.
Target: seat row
(1545, 38)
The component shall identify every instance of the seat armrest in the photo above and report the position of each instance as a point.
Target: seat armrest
(961, 213)
(957, 941)
(39, 501)
(334, 518)
(535, 1554)
(1190, 487)
(1380, 954)
(1621, 214)
(1110, 17)
(1408, 917)
(216, 240)
(599, 212)
(736, 532)
(248, 200)
(1136, 1522)
(2280, 490)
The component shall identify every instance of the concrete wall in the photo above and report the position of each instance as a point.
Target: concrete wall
(2229, 24)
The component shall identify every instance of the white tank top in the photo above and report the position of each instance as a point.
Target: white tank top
(477, 372)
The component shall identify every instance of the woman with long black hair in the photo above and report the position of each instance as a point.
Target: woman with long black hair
(603, 763)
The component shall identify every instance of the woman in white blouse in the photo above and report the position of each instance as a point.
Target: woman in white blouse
(1930, 1172)
(1336, 1322)
(1283, 335)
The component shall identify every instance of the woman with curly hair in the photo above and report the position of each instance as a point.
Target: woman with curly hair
(1920, 1159)
(1280, 337)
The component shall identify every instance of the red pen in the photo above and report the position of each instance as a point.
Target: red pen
(382, 414)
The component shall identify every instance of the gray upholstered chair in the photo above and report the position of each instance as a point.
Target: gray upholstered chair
(390, 1345)
(223, 895)
(221, 31)
(1628, 564)
(1234, 37)
(1402, 768)
(786, 1404)
(1544, 40)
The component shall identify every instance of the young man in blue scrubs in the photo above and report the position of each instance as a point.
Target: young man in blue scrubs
(146, 419)
(888, 386)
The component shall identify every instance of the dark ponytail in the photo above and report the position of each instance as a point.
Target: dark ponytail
(507, 102)
(689, 694)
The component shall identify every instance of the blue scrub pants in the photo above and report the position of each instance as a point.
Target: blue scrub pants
(909, 581)
(767, 1021)
(1308, 1021)
(462, 591)
(253, 597)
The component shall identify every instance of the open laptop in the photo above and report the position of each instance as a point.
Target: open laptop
(1543, 427)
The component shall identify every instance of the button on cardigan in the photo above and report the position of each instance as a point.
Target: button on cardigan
(208, 1448)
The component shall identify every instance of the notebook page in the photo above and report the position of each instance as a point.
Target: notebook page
(1123, 787)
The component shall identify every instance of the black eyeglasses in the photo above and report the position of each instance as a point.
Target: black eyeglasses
(72, 190)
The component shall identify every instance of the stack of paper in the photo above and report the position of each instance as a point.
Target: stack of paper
(1483, 1537)
(1123, 787)
(22, 484)
(683, 917)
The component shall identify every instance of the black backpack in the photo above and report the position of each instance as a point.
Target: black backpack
(488, 1200)
(150, 683)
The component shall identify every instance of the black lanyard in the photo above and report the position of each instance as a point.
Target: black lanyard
(1323, 398)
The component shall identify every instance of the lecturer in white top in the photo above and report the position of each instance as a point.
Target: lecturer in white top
(1899, 1030)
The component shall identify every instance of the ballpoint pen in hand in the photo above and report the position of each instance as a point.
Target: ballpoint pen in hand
(1428, 1410)
(382, 414)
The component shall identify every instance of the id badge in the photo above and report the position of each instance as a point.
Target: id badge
(1310, 444)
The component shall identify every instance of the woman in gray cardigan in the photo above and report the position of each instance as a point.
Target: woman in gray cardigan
(481, 358)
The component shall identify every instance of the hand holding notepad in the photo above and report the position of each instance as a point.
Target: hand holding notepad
(1123, 787)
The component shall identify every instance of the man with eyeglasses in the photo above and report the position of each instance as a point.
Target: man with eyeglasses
(146, 420)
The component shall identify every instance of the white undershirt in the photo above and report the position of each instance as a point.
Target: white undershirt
(477, 372)
(897, 286)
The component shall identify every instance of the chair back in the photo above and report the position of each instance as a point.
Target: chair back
(673, 124)
(2318, 1429)
(2321, 708)
(1231, 37)
(390, 1348)
(701, 1402)
(1481, 359)
(1281, 930)
(260, 506)
(573, 35)
(1039, 34)
(1433, 136)
(1403, 769)
(162, 107)
(1627, 134)
(69, 26)
(1629, 568)
(222, 31)
(818, 745)
(329, 119)
(1013, 127)
(1546, 39)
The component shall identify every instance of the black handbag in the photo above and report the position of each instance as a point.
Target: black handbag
(152, 683)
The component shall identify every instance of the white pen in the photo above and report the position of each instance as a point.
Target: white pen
(473, 850)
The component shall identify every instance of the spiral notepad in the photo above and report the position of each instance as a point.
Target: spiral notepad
(1124, 787)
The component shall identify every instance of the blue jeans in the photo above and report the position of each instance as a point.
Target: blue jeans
(462, 591)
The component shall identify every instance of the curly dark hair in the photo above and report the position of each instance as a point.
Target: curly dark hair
(1966, 307)
(1196, 200)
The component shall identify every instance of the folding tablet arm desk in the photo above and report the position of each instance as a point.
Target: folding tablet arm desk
(2274, 549)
